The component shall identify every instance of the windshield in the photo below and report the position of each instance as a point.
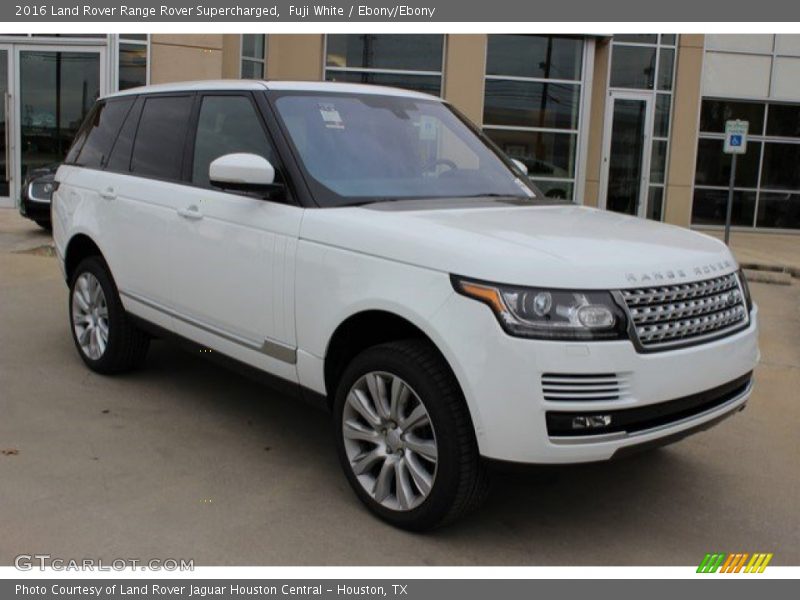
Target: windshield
(357, 148)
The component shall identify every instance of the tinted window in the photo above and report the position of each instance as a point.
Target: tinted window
(100, 136)
(120, 158)
(158, 149)
(633, 67)
(386, 51)
(80, 137)
(227, 124)
(540, 56)
(715, 112)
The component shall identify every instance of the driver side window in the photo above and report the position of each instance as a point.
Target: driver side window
(227, 124)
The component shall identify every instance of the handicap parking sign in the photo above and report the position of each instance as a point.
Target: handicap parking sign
(735, 137)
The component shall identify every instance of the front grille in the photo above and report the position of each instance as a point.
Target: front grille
(579, 387)
(667, 316)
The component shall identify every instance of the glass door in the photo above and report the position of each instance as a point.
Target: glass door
(626, 153)
(56, 88)
(6, 199)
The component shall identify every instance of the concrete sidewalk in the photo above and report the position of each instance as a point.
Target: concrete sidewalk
(18, 234)
(770, 251)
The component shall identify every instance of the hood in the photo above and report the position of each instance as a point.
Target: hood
(565, 246)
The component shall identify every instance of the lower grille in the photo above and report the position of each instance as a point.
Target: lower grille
(668, 316)
(631, 420)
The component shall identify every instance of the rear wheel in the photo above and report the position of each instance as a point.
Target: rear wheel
(46, 225)
(405, 438)
(106, 339)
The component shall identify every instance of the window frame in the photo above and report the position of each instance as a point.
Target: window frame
(262, 60)
(279, 167)
(576, 182)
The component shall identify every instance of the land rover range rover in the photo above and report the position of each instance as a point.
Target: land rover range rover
(369, 248)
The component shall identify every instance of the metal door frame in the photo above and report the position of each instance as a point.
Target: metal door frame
(647, 146)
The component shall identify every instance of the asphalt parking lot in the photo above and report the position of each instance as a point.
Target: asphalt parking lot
(187, 460)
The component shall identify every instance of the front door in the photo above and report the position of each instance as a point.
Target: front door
(46, 93)
(626, 152)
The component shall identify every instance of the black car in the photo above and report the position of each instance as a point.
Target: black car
(37, 191)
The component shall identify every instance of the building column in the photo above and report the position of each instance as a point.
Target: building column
(464, 71)
(597, 119)
(231, 56)
(185, 57)
(295, 57)
(685, 122)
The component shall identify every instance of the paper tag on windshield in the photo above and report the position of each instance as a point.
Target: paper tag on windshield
(427, 128)
(524, 188)
(331, 116)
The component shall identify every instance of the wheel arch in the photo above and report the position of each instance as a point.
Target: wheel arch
(79, 247)
(370, 327)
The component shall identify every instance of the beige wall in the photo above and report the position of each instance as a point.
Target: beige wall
(597, 111)
(295, 57)
(231, 55)
(185, 57)
(685, 117)
(464, 69)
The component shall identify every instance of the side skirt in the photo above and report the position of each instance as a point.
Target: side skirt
(282, 386)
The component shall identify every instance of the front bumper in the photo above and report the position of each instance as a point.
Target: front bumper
(501, 377)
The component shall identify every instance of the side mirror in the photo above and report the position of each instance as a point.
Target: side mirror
(520, 165)
(243, 171)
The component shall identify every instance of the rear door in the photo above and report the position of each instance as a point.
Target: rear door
(233, 253)
(142, 189)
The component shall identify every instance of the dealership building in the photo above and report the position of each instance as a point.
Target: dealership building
(632, 122)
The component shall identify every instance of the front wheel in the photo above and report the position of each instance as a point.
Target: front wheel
(405, 438)
(106, 339)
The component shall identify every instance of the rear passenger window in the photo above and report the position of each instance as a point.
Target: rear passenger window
(227, 124)
(101, 132)
(120, 158)
(158, 149)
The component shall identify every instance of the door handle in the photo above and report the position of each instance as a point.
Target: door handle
(108, 193)
(191, 212)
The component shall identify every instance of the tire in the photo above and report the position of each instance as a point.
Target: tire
(46, 225)
(106, 339)
(372, 440)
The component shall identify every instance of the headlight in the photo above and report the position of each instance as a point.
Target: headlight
(42, 189)
(549, 313)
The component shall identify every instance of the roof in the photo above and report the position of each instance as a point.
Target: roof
(254, 85)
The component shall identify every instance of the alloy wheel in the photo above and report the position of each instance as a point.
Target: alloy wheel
(389, 441)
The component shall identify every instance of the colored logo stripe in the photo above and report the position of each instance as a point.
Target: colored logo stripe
(733, 563)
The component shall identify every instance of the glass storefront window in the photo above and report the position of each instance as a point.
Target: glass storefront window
(532, 105)
(407, 61)
(633, 67)
(781, 211)
(542, 57)
(57, 90)
(253, 59)
(546, 154)
(710, 206)
(767, 176)
(714, 113)
(132, 51)
(784, 120)
(714, 167)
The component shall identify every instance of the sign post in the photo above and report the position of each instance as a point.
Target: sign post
(735, 144)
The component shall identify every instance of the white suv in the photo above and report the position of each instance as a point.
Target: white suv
(368, 248)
